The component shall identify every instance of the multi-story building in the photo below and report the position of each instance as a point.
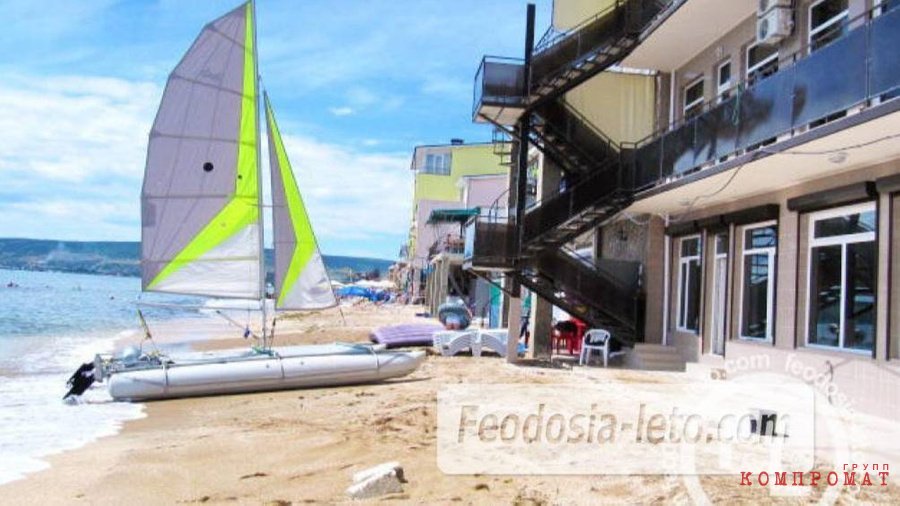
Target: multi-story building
(448, 176)
(754, 218)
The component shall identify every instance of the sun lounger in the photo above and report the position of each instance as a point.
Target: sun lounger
(494, 340)
(453, 342)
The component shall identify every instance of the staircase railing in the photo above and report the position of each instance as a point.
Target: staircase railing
(589, 143)
(616, 26)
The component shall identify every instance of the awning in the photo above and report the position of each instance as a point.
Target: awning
(452, 215)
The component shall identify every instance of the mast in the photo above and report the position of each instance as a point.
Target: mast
(262, 221)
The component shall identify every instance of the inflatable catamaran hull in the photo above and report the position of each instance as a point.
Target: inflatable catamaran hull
(234, 372)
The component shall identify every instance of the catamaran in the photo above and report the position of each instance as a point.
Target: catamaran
(202, 234)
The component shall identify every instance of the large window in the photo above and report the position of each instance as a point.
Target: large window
(842, 279)
(827, 22)
(689, 284)
(762, 61)
(438, 163)
(693, 98)
(758, 290)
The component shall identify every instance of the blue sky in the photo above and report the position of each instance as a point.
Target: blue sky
(356, 84)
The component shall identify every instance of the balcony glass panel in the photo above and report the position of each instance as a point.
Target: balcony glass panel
(647, 163)
(884, 49)
(678, 148)
(765, 109)
(715, 132)
(829, 82)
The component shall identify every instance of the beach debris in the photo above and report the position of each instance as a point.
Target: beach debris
(377, 481)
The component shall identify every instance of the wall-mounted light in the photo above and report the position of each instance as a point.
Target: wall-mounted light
(838, 158)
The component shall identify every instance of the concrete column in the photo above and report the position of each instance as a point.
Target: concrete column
(514, 316)
(541, 310)
(414, 281)
(541, 328)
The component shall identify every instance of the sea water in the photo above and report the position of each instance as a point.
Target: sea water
(50, 323)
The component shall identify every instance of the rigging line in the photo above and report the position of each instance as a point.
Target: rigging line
(722, 188)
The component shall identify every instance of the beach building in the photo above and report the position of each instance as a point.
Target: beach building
(738, 166)
(455, 176)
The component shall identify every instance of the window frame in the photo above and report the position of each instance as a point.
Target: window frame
(684, 261)
(842, 241)
(824, 27)
(445, 166)
(751, 70)
(723, 91)
(697, 102)
(772, 252)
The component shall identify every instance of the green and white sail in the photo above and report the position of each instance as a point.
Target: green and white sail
(301, 281)
(201, 220)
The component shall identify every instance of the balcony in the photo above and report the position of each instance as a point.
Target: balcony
(499, 95)
(489, 245)
(451, 244)
(857, 72)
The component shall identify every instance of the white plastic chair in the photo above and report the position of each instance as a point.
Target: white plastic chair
(594, 339)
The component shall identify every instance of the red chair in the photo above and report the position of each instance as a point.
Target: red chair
(570, 332)
(579, 336)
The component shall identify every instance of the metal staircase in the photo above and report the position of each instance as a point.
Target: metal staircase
(605, 295)
(565, 60)
(598, 187)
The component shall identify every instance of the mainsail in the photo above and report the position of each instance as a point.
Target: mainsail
(201, 220)
(301, 281)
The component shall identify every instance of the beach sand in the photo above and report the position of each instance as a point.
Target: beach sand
(302, 446)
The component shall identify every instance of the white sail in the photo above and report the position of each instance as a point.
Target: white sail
(201, 220)
(301, 281)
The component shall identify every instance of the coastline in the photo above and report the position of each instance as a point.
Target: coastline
(301, 446)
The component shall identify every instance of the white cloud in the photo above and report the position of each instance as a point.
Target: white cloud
(73, 157)
(352, 195)
(341, 111)
(71, 128)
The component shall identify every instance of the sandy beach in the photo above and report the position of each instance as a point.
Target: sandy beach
(302, 446)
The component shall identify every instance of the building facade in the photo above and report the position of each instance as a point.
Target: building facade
(760, 206)
(447, 176)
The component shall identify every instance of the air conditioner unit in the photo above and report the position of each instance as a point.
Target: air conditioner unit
(767, 5)
(774, 26)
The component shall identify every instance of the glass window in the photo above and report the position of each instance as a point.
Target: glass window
(856, 223)
(689, 285)
(762, 61)
(723, 88)
(721, 244)
(437, 163)
(827, 22)
(693, 98)
(758, 293)
(842, 279)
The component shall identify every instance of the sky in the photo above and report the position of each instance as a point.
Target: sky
(356, 85)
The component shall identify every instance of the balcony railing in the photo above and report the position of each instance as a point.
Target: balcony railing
(857, 68)
(450, 243)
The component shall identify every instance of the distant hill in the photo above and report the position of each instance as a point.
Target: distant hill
(122, 258)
